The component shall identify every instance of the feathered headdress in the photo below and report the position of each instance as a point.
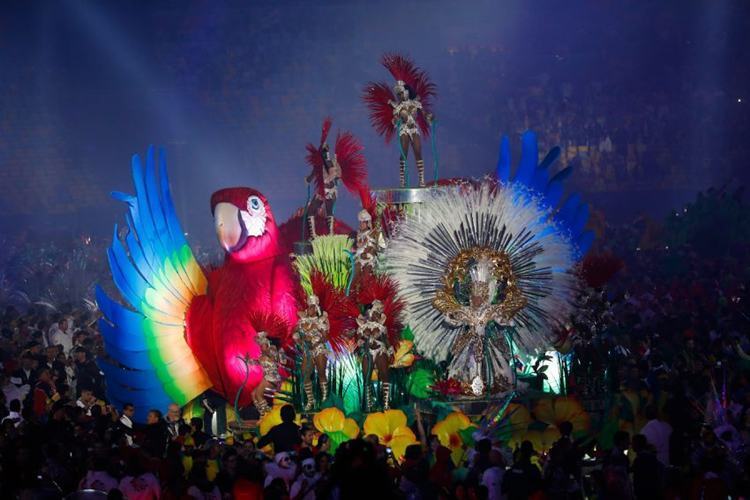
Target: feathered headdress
(371, 288)
(347, 152)
(342, 311)
(499, 220)
(275, 327)
(377, 96)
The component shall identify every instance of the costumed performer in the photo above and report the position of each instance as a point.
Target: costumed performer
(346, 164)
(311, 336)
(406, 110)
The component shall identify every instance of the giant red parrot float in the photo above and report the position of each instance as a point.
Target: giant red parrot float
(184, 331)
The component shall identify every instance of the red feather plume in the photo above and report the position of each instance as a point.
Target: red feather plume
(274, 326)
(370, 288)
(342, 310)
(315, 159)
(327, 123)
(403, 68)
(348, 151)
(352, 162)
(377, 97)
(369, 202)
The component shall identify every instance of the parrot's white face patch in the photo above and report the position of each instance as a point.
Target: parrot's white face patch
(255, 216)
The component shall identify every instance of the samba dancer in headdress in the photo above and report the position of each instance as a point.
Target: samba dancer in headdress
(345, 163)
(271, 358)
(271, 333)
(312, 335)
(405, 110)
(378, 331)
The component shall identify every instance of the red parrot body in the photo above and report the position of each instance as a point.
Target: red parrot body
(256, 278)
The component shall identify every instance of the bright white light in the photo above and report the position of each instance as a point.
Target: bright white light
(553, 372)
(739, 99)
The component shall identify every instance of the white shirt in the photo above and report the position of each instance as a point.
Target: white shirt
(273, 471)
(492, 479)
(13, 391)
(13, 415)
(309, 487)
(657, 433)
(61, 337)
(124, 420)
(86, 407)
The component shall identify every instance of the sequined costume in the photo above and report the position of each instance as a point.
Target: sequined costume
(311, 333)
(403, 110)
(472, 344)
(312, 336)
(344, 163)
(372, 333)
(376, 351)
(270, 359)
(368, 244)
(405, 113)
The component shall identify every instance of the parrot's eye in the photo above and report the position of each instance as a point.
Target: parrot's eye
(254, 203)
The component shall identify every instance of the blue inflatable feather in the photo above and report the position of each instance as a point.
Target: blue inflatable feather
(570, 215)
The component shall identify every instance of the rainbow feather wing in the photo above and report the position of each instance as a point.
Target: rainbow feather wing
(149, 362)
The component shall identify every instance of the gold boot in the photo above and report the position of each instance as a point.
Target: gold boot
(402, 172)
(311, 226)
(331, 224)
(369, 403)
(323, 390)
(420, 171)
(386, 396)
(262, 406)
(310, 396)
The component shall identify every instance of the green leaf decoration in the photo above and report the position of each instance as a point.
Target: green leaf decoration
(407, 334)
(419, 383)
(467, 435)
(329, 257)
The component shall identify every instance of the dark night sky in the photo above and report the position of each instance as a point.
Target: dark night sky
(234, 90)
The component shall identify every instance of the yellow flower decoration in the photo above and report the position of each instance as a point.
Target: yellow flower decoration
(555, 411)
(391, 429)
(542, 440)
(286, 388)
(515, 424)
(403, 358)
(334, 423)
(447, 431)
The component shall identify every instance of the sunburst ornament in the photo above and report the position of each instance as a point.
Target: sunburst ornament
(484, 271)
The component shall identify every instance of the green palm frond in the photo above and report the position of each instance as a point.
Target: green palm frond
(329, 257)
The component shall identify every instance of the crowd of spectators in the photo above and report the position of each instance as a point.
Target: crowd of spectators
(669, 351)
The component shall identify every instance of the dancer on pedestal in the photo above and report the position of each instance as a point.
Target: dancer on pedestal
(405, 111)
(346, 164)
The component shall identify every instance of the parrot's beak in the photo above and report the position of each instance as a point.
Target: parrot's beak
(229, 226)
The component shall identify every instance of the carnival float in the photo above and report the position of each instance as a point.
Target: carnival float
(452, 302)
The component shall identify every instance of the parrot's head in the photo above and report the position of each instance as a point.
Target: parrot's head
(244, 224)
